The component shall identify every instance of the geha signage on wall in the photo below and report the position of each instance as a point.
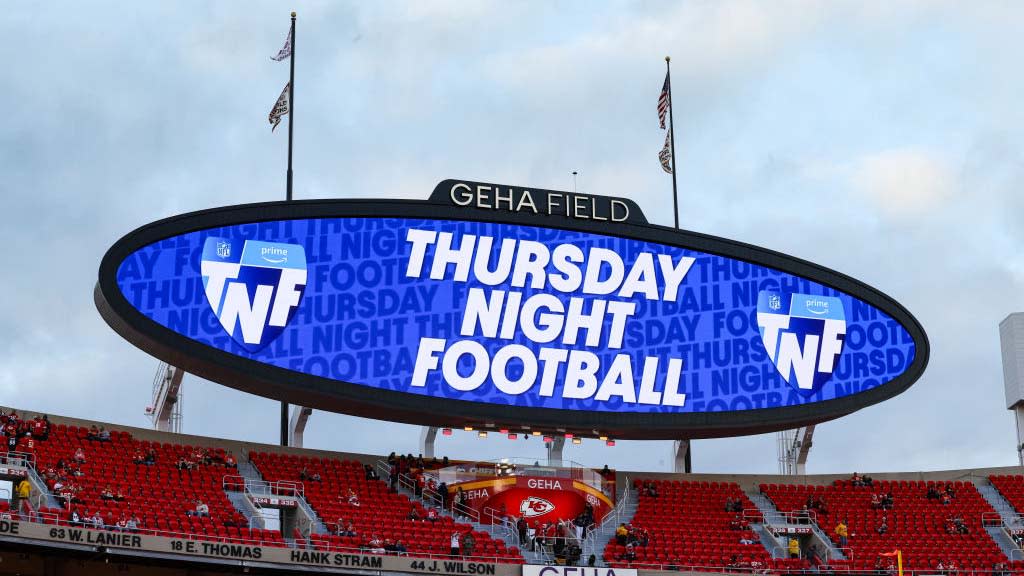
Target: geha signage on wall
(503, 305)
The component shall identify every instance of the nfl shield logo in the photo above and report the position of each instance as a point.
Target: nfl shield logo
(253, 287)
(803, 334)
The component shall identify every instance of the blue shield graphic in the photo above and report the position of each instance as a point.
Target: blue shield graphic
(803, 335)
(253, 287)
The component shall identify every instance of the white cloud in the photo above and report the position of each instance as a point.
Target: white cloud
(905, 182)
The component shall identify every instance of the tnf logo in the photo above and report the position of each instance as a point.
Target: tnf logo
(803, 335)
(253, 287)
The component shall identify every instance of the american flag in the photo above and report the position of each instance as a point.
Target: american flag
(666, 154)
(663, 101)
(280, 108)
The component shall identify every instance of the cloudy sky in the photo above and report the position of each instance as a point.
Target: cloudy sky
(880, 139)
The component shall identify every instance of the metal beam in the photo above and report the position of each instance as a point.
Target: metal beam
(806, 438)
(297, 425)
(427, 436)
(555, 448)
(681, 456)
(165, 412)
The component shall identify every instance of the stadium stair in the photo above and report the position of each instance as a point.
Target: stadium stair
(772, 515)
(623, 513)
(496, 530)
(241, 502)
(1006, 513)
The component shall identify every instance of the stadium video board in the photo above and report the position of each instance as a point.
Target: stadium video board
(510, 307)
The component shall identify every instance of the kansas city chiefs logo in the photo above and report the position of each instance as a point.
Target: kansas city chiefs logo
(803, 335)
(534, 506)
(253, 287)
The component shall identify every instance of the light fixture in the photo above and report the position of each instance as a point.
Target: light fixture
(513, 436)
(446, 431)
(482, 434)
(610, 443)
(568, 436)
(602, 438)
(468, 428)
(535, 432)
(503, 431)
(549, 439)
(577, 440)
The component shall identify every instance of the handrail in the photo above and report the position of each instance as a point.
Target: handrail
(22, 459)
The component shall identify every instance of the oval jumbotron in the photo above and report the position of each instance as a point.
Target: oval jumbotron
(506, 307)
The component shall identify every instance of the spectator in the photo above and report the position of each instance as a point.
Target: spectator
(621, 534)
(876, 502)
(432, 515)
(230, 461)
(79, 455)
(22, 492)
(442, 489)
(353, 498)
(728, 504)
(883, 526)
(93, 433)
(794, 548)
(103, 435)
(76, 519)
(314, 477)
(933, 493)
(201, 510)
(946, 499)
(856, 480)
(374, 545)
(151, 457)
(468, 543)
(107, 494)
(97, 521)
(455, 544)
(812, 555)
(949, 490)
(414, 514)
(630, 554)
(400, 548)
(842, 532)
(350, 530)
(132, 525)
(522, 528)
(369, 472)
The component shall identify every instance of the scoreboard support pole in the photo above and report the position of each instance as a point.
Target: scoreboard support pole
(428, 434)
(681, 456)
(555, 448)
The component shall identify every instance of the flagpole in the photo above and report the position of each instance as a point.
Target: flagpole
(288, 190)
(672, 143)
(291, 108)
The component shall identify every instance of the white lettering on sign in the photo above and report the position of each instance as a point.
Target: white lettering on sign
(543, 484)
(568, 323)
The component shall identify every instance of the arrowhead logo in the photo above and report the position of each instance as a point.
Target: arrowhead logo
(803, 335)
(534, 506)
(253, 287)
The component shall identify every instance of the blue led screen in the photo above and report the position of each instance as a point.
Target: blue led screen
(515, 315)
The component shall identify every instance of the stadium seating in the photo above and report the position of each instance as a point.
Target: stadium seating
(1012, 489)
(380, 512)
(916, 524)
(158, 494)
(689, 527)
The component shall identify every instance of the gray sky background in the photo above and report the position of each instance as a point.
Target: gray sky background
(879, 139)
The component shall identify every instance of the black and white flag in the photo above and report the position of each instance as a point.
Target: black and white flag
(286, 50)
(281, 108)
(666, 153)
